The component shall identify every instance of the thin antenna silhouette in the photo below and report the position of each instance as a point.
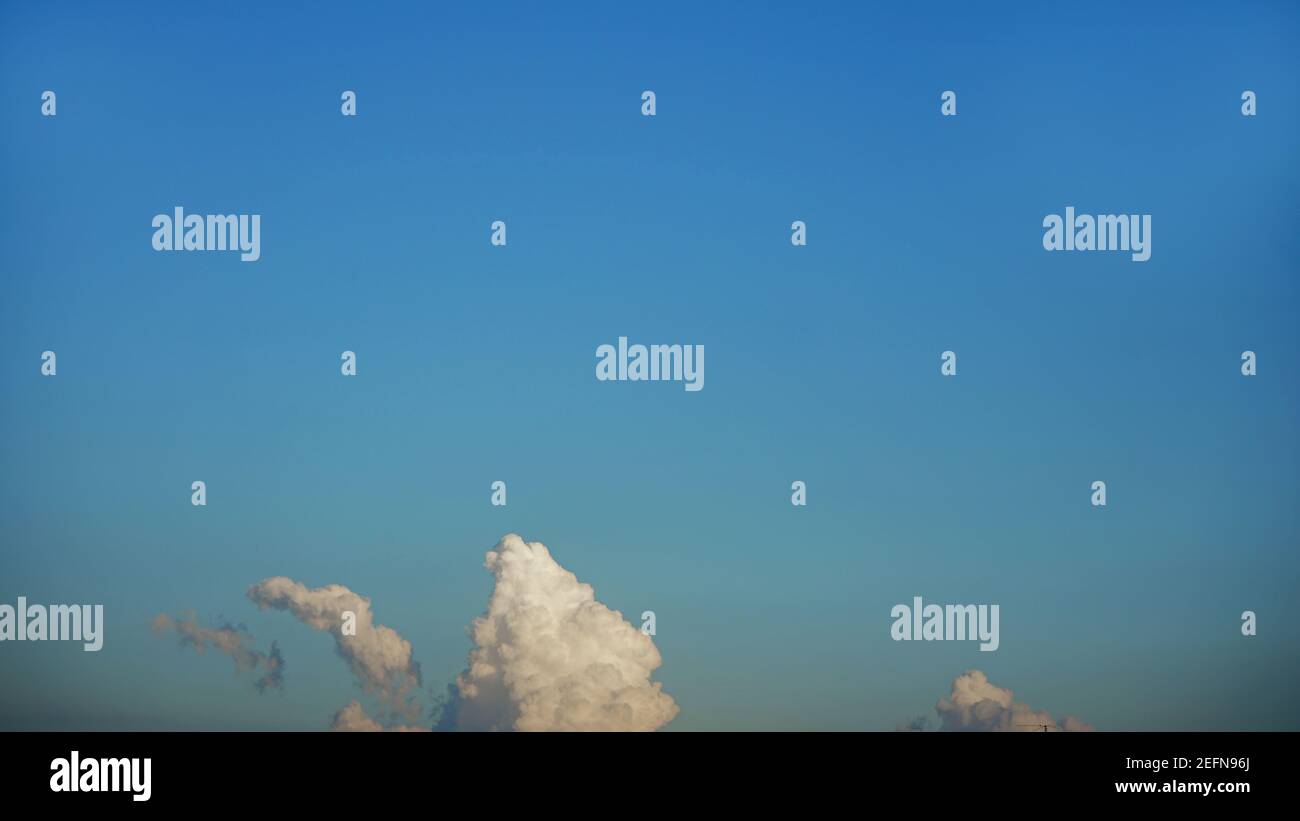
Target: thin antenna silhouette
(1046, 727)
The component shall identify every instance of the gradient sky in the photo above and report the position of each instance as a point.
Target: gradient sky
(477, 363)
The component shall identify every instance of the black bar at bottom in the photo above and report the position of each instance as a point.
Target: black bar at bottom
(670, 771)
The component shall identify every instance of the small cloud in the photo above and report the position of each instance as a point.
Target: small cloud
(976, 704)
(917, 725)
(229, 640)
(353, 719)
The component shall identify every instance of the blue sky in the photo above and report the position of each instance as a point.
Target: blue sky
(477, 363)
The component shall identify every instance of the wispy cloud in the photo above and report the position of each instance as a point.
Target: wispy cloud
(228, 639)
(379, 657)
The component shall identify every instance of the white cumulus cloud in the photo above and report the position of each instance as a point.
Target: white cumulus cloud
(548, 656)
(977, 704)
